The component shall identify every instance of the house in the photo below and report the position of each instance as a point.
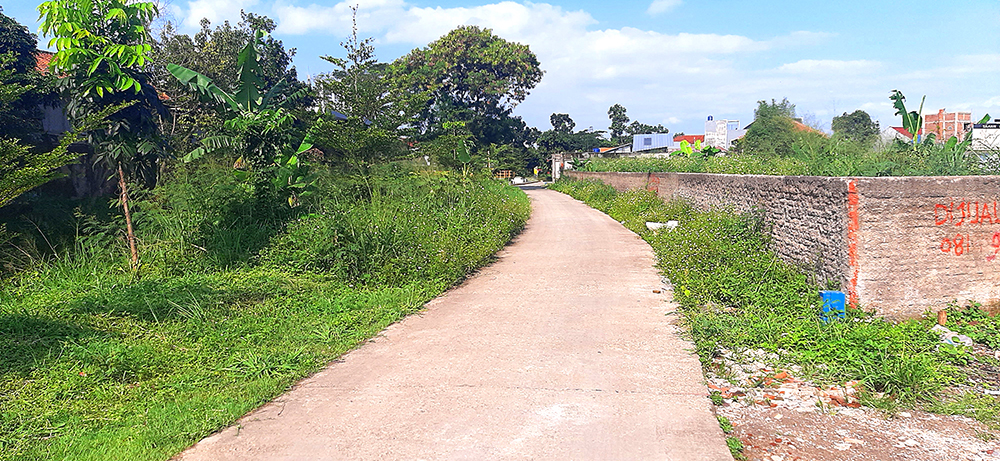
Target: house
(986, 136)
(720, 134)
(894, 133)
(947, 124)
(643, 142)
(612, 151)
(54, 121)
(690, 138)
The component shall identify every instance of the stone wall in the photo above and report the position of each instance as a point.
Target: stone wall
(899, 245)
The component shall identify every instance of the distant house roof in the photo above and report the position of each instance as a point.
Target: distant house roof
(42, 60)
(690, 138)
(902, 131)
(799, 126)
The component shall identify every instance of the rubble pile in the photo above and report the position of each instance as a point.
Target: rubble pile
(756, 377)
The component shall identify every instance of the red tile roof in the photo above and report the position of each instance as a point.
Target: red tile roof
(906, 133)
(691, 138)
(42, 60)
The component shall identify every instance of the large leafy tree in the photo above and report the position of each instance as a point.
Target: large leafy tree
(773, 131)
(856, 126)
(473, 76)
(619, 122)
(561, 137)
(102, 54)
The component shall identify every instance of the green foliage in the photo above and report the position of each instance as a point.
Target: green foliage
(402, 232)
(773, 131)
(856, 126)
(257, 127)
(815, 155)
(378, 108)
(619, 121)
(98, 365)
(561, 137)
(102, 43)
(736, 294)
(912, 121)
(22, 88)
(735, 448)
(472, 76)
(214, 53)
(22, 170)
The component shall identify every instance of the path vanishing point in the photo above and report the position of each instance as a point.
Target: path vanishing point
(564, 349)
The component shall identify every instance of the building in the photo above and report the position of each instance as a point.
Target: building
(894, 133)
(641, 142)
(986, 136)
(947, 124)
(690, 138)
(720, 134)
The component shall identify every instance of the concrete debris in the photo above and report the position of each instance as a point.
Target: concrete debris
(669, 225)
(950, 337)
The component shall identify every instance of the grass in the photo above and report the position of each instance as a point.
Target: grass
(818, 156)
(98, 364)
(737, 295)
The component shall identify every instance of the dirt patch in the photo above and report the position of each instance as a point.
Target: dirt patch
(779, 417)
(782, 434)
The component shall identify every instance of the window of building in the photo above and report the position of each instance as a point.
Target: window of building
(647, 141)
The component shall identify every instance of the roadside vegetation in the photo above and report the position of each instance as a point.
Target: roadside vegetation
(212, 229)
(737, 295)
(775, 144)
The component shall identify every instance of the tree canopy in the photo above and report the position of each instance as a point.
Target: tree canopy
(473, 76)
(856, 126)
(619, 123)
(20, 117)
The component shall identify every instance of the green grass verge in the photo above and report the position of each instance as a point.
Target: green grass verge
(736, 294)
(97, 365)
(817, 156)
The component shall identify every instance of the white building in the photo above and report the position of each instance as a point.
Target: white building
(720, 134)
(986, 136)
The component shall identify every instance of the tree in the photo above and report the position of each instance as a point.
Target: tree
(619, 122)
(102, 47)
(21, 116)
(473, 76)
(561, 137)
(773, 130)
(562, 123)
(377, 108)
(636, 127)
(784, 108)
(856, 126)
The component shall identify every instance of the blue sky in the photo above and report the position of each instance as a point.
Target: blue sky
(676, 61)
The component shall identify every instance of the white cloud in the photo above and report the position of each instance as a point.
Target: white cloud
(215, 10)
(830, 67)
(661, 76)
(662, 6)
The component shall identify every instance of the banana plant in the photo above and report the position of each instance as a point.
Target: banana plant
(256, 126)
(912, 121)
(250, 101)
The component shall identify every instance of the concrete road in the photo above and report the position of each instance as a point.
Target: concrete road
(561, 350)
